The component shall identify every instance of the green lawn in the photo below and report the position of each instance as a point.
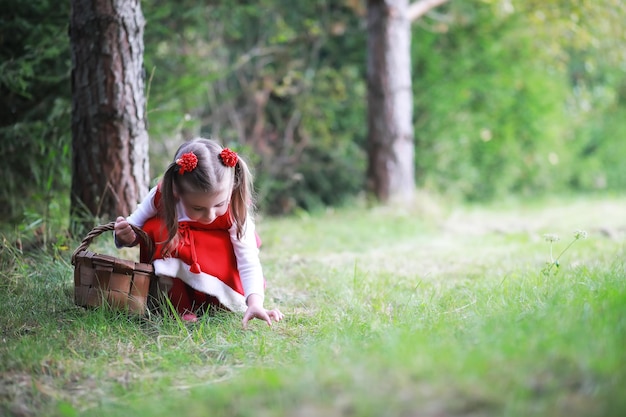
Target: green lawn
(432, 311)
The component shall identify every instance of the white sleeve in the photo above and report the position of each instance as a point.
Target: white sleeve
(144, 211)
(248, 261)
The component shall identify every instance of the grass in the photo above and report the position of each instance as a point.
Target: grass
(431, 311)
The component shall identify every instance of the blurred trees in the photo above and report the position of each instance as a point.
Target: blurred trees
(496, 107)
(390, 148)
(34, 110)
(510, 96)
(282, 81)
(520, 97)
(109, 137)
(390, 142)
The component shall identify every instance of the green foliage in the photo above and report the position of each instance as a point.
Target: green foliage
(515, 98)
(328, 168)
(489, 117)
(34, 111)
(601, 147)
(290, 93)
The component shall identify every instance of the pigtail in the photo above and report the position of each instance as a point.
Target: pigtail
(241, 200)
(167, 205)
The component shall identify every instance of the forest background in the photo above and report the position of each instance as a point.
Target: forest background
(510, 97)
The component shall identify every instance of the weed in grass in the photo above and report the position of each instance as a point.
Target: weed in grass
(551, 238)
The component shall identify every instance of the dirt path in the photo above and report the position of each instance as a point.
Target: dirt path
(602, 217)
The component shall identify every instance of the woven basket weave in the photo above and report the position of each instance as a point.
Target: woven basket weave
(121, 284)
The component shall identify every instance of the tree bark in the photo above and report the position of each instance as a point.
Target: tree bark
(110, 171)
(390, 102)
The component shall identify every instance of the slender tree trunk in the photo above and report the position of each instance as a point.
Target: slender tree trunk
(390, 102)
(109, 138)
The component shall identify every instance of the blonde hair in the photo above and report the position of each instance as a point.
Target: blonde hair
(209, 176)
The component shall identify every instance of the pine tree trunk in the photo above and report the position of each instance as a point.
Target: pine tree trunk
(390, 144)
(109, 139)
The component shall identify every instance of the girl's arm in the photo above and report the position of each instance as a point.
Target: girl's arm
(124, 235)
(251, 274)
(248, 262)
(144, 211)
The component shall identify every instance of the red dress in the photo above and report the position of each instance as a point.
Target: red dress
(204, 264)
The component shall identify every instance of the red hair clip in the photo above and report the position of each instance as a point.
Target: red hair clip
(228, 157)
(187, 162)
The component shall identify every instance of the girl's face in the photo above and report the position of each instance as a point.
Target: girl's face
(205, 207)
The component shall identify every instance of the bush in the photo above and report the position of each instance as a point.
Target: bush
(35, 110)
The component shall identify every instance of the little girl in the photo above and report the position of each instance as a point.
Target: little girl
(205, 239)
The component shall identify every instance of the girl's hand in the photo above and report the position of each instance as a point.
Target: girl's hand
(124, 234)
(256, 311)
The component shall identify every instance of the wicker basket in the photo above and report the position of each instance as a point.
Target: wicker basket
(121, 284)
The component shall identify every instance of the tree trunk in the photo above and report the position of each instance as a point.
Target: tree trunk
(109, 138)
(390, 102)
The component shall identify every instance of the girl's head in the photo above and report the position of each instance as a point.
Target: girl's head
(208, 180)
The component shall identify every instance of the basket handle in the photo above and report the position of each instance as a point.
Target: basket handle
(98, 230)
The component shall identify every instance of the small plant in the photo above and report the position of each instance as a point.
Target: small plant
(554, 262)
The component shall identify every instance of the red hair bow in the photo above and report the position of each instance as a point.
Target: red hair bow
(228, 157)
(187, 162)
